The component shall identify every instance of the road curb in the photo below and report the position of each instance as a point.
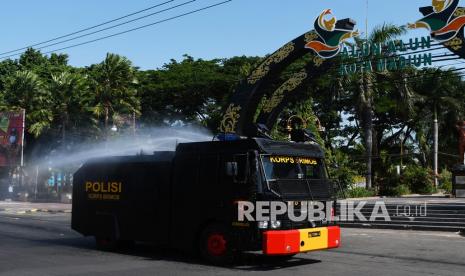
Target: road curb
(402, 227)
(53, 211)
(34, 210)
(30, 211)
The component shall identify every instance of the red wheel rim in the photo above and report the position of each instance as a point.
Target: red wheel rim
(216, 245)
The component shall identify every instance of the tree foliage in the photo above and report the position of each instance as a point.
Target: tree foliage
(372, 114)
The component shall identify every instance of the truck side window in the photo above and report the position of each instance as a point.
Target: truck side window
(242, 169)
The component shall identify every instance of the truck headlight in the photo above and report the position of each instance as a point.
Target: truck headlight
(263, 224)
(275, 224)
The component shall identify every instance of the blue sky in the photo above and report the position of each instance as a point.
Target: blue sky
(240, 27)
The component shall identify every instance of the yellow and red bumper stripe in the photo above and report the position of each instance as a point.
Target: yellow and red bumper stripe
(283, 242)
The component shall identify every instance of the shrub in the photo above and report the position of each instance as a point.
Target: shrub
(401, 190)
(344, 176)
(445, 181)
(447, 187)
(356, 192)
(388, 185)
(340, 169)
(393, 185)
(418, 179)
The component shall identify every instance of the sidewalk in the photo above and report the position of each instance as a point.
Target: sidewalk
(28, 207)
(414, 198)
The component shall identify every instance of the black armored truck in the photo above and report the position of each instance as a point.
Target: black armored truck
(189, 199)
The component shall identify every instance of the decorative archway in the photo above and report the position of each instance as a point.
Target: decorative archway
(444, 19)
(322, 43)
(281, 97)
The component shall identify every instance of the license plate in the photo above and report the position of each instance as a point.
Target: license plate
(313, 239)
(314, 234)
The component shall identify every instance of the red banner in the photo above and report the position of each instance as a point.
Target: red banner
(11, 138)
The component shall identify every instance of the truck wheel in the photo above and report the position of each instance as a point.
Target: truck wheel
(216, 245)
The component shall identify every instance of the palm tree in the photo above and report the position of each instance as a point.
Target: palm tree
(114, 88)
(365, 89)
(440, 94)
(69, 91)
(24, 90)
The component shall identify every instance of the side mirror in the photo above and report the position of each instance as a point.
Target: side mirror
(231, 168)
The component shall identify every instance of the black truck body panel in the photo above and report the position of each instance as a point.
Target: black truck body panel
(167, 198)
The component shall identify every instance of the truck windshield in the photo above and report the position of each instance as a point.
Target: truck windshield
(296, 177)
(292, 168)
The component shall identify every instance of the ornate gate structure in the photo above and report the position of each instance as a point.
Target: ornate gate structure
(322, 43)
(444, 19)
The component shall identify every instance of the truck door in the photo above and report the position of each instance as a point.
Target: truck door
(241, 181)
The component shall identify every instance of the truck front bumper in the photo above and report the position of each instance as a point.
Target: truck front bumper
(285, 242)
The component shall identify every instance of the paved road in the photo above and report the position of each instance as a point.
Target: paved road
(41, 243)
